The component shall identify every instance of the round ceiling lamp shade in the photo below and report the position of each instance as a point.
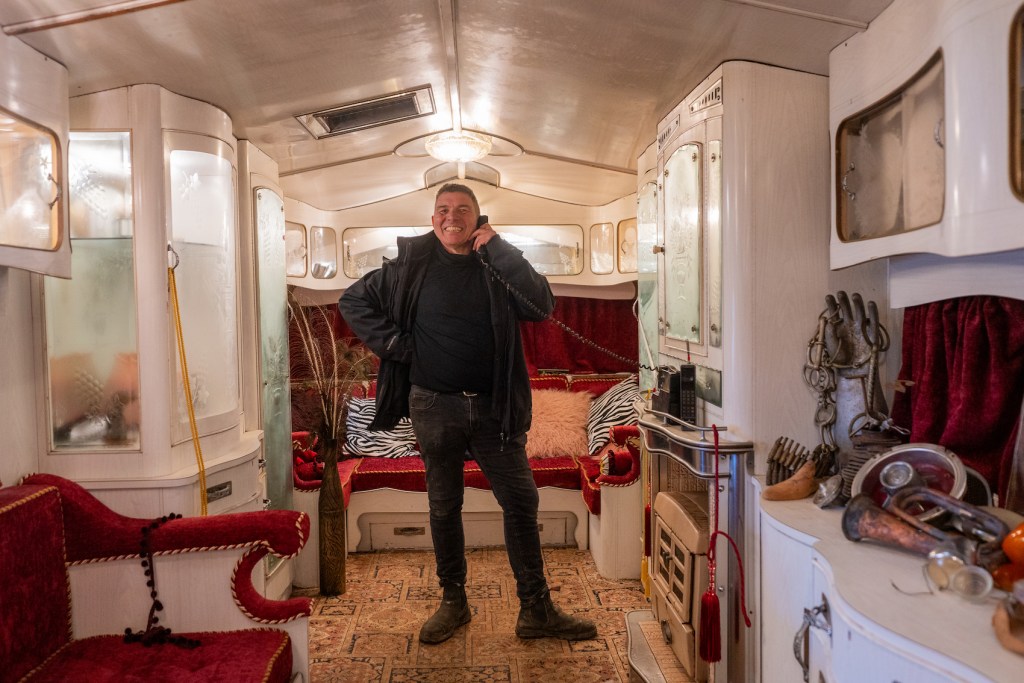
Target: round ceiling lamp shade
(458, 146)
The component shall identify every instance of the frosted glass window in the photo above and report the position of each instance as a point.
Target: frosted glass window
(295, 249)
(627, 245)
(713, 222)
(29, 184)
(550, 249)
(366, 248)
(323, 252)
(202, 205)
(275, 405)
(91, 335)
(890, 161)
(602, 248)
(683, 247)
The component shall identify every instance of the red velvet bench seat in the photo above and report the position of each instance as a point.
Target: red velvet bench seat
(391, 491)
(74, 583)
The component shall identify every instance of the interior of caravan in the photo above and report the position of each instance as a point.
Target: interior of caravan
(590, 341)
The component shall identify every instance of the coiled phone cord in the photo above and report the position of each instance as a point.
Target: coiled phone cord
(573, 333)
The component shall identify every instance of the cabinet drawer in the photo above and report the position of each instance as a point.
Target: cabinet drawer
(412, 530)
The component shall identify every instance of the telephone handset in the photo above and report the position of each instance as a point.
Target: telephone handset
(537, 309)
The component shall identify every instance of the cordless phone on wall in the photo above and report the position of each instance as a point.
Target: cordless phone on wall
(677, 392)
(688, 393)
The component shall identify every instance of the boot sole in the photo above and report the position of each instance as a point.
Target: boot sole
(448, 634)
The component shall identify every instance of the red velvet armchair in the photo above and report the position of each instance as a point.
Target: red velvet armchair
(90, 595)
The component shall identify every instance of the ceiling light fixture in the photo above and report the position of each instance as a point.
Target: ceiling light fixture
(458, 146)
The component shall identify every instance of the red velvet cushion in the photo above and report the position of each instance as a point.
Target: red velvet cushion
(405, 474)
(306, 476)
(225, 657)
(408, 474)
(35, 614)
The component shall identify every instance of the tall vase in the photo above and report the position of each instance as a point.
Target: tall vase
(331, 511)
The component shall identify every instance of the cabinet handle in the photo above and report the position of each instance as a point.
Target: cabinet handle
(849, 193)
(819, 618)
(217, 492)
(60, 190)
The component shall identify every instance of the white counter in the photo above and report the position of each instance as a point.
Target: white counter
(942, 633)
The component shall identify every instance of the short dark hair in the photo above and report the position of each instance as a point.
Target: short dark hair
(458, 187)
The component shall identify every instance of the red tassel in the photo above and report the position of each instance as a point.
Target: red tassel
(710, 627)
(647, 530)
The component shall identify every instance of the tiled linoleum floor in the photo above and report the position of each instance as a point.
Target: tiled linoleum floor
(370, 632)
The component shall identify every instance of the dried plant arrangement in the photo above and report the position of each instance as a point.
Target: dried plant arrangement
(331, 368)
(326, 365)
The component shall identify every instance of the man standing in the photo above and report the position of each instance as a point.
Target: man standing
(447, 334)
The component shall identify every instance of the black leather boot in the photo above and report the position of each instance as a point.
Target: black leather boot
(453, 613)
(541, 619)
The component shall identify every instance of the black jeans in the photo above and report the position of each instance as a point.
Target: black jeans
(447, 426)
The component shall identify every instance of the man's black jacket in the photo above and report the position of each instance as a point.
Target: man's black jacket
(381, 307)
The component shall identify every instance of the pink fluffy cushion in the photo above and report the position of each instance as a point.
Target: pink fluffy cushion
(559, 423)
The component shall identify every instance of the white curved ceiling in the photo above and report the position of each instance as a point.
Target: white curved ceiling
(579, 84)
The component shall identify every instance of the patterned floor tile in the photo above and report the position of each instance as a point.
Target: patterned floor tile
(380, 643)
(370, 633)
(406, 616)
(590, 668)
(347, 670)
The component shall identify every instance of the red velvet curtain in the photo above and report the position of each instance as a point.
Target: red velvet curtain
(608, 323)
(963, 364)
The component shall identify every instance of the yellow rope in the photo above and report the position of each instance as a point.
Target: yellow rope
(172, 285)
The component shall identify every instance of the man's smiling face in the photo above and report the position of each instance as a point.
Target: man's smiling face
(454, 221)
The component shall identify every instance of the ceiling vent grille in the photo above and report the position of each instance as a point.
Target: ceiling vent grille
(378, 111)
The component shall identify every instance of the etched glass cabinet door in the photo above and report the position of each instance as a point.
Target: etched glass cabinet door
(714, 240)
(91, 322)
(202, 227)
(682, 271)
(647, 278)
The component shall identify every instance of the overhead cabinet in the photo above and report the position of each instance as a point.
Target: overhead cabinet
(33, 162)
(925, 118)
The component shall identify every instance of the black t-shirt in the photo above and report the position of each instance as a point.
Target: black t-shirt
(452, 336)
